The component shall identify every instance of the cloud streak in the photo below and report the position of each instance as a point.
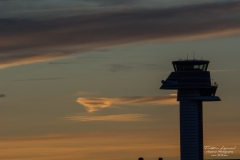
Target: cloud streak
(118, 67)
(90, 146)
(26, 41)
(119, 117)
(42, 79)
(223, 70)
(95, 104)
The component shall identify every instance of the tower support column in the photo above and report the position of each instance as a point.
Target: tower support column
(191, 129)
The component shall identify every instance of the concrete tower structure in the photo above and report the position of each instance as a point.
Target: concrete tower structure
(193, 83)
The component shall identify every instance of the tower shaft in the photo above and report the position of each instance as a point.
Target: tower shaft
(191, 130)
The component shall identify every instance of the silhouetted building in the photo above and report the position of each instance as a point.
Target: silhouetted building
(193, 83)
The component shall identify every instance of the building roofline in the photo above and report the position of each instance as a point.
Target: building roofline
(191, 62)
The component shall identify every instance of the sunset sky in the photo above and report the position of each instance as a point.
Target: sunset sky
(80, 79)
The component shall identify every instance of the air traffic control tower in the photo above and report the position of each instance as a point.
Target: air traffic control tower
(193, 83)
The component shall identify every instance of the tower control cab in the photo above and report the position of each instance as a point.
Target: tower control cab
(191, 74)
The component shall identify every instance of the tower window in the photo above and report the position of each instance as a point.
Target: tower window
(188, 67)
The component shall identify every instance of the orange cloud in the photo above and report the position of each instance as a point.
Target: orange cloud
(119, 117)
(101, 146)
(106, 145)
(94, 104)
(150, 144)
(29, 60)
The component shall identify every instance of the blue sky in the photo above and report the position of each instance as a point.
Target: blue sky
(81, 78)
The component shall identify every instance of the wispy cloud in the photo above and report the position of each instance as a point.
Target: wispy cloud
(60, 63)
(97, 145)
(118, 67)
(42, 79)
(26, 41)
(126, 67)
(21, 58)
(119, 117)
(223, 70)
(94, 104)
(85, 93)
